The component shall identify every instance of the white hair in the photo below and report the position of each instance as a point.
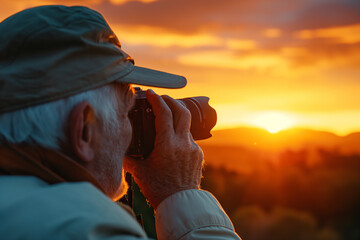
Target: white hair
(45, 125)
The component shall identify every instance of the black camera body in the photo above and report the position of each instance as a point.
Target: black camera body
(143, 124)
(203, 119)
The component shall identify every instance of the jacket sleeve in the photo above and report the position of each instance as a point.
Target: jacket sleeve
(193, 214)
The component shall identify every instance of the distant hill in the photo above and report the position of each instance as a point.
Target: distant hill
(295, 139)
(245, 149)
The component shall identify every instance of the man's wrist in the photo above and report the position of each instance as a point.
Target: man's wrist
(188, 210)
(172, 193)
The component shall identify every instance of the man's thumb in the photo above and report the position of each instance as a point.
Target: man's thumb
(130, 165)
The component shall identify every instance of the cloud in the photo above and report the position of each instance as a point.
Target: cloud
(272, 32)
(340, 52)
(201, 15)
(233, 18)
(241, 44)
(249, 34)
(225, 59)
(157, 37)
(118, 2)
(284, 31)
(325, 14)
(345, 34)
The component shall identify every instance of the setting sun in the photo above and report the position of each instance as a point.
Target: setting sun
(274, 122)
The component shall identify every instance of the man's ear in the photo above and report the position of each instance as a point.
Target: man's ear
(82, 130)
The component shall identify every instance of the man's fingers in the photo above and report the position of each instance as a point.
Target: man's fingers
(181, 116)
(162, 112)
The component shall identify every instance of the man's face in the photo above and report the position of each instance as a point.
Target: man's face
(114, 144)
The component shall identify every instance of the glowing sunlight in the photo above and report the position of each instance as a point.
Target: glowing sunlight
(274, 122)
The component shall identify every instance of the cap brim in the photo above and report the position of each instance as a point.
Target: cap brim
(153, 78)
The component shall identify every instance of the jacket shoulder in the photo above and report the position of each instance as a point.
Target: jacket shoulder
(65, 210)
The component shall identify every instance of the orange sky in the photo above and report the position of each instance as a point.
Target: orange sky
(254, 59)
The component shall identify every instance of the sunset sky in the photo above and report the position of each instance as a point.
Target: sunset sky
(289, 63)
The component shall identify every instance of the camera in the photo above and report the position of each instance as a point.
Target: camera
(203, 119)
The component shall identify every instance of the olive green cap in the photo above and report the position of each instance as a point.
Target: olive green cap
(52, 52)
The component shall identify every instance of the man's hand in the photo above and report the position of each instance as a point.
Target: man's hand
(176, 161)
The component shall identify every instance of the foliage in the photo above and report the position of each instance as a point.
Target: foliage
(298, 195)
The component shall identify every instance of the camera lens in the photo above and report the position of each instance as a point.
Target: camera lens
(203, 117)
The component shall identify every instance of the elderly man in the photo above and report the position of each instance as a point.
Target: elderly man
(64, 132)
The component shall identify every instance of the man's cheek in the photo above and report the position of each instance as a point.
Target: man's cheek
(128, 129)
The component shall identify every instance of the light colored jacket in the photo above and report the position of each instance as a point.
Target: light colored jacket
(32, 209)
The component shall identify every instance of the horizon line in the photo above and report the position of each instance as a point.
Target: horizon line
(315, 129)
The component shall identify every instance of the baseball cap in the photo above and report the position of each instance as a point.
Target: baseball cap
(51, 52)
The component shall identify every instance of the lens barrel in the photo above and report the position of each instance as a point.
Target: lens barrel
(203, 119)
